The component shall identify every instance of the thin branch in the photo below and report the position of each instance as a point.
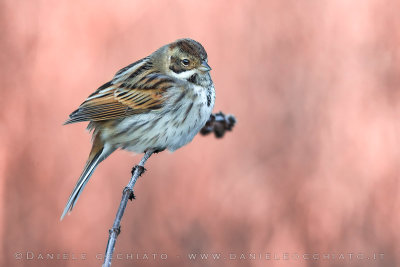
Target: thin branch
(218, 123)
(137, 171)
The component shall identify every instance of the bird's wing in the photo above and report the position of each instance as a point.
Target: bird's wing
(117, 100)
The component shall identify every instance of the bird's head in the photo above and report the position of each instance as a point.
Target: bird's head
(186, 58)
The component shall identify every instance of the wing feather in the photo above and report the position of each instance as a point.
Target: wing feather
(117, 100)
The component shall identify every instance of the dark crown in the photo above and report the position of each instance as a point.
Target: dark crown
(191, 47)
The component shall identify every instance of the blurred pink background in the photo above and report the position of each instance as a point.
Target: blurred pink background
(311, 167)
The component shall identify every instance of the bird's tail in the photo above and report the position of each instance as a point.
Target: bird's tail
(98, 153)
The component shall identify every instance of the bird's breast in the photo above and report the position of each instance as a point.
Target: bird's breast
(171, 127)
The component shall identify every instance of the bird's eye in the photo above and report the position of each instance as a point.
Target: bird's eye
(185, 62)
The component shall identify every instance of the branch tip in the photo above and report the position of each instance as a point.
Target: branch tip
(218, 123)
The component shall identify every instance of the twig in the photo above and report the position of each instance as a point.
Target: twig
(126, 194)
(218, 123)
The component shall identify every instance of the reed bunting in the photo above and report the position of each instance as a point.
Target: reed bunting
(159, 102)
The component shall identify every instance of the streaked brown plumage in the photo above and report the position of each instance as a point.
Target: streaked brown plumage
(159, 102)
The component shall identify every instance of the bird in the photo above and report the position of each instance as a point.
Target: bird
(157, 103)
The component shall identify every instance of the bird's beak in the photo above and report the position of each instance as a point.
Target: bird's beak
(204, 66)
